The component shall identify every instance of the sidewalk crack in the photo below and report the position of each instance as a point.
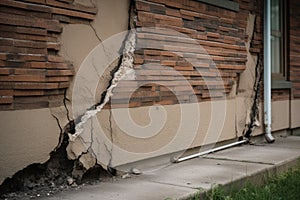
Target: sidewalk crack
(242, 161)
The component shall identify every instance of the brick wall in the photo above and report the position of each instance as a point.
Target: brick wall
(32, 74)
(256, 46)
(175, 64)
(294, 47)
(169, 68)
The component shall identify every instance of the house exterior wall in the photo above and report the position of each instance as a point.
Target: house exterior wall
(294, 58)
(196, 53)
(30, 108)
(202, 30)
(191, 59)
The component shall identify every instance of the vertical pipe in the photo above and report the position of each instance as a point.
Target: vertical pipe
(267, 71)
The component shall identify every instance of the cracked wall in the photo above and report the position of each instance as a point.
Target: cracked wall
(27, 137)
(245, 91)
(235, 119)
(160, 144)
(243, 114)
(105, 25)
(30, 135)
(78, 40)
(251, 102)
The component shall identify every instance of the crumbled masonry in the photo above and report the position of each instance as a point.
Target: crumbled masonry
(59, 171)
(52, 175)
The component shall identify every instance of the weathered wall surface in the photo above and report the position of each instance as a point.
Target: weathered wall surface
(33, 75)
(127, 135)
(203, 53)
(295, 113)
(28, 136)
(199, 64)
(280, 117)
(201, 45)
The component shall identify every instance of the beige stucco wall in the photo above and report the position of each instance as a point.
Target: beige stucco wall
(27, 136)
(280, 117)
(207, 123)
(78, 40)
(295, 113)
(146, 132)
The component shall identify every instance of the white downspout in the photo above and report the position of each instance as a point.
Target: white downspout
(267, 71)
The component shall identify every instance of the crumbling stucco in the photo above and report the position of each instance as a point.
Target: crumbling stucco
(248, 96)
(77, 42)
(27, 136)
(248, 87)
(103, 149)
(94, 34)
(125, 71)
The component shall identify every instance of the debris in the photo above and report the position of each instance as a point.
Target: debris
(70, 181)
(124, 176)
(135, 171)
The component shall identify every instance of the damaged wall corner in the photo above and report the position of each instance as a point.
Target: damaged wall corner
(39, 131)
(43, 136)
(114, 22)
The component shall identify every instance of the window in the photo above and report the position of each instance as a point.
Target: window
(278, 48)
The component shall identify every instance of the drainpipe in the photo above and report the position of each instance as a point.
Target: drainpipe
(178, 160)
(267, 71)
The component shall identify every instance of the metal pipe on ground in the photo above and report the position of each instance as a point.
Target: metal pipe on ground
(178, 160)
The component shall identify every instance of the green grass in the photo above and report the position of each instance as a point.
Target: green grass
(281, 187)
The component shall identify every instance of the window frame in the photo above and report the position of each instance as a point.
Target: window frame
(284, 74)
(281, 80)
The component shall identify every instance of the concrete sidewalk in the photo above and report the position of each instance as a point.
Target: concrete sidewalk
(179, 181)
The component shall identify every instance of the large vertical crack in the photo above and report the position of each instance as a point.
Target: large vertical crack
(123, 70)
(254, 114)
(55, 172)
(253, 120)
(125, 67)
